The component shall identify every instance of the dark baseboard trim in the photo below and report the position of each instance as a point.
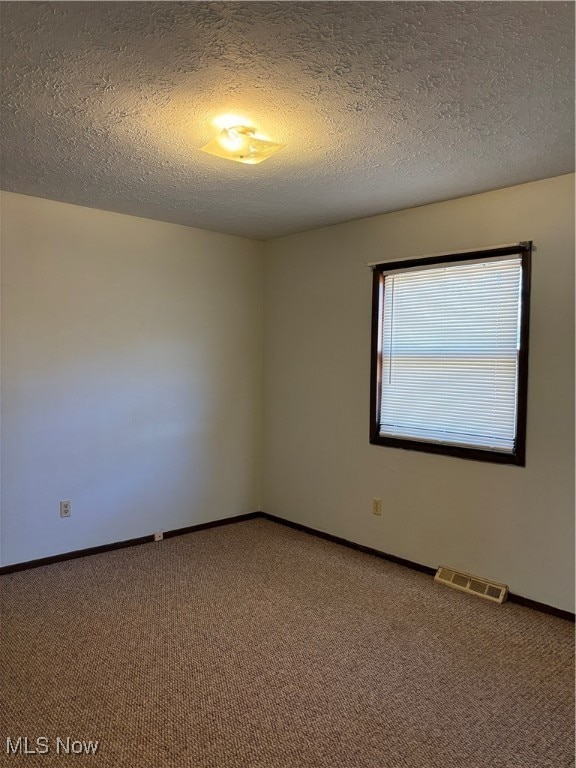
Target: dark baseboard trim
(542, 607)
(513, 598)
(122, 544)
(210, 524)
(351, 544)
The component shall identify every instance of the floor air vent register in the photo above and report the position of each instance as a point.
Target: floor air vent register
(474, 585)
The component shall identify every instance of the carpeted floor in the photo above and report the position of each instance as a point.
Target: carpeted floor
(257, 646)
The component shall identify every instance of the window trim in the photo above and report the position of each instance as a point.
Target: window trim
(518, 456)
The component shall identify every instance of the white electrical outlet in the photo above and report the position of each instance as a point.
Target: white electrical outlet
(377, 507)
(65, 508)
(158, 536)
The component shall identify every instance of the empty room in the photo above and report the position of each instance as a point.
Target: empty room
(287, 384)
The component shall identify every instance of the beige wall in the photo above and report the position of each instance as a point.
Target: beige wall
(131, 376)
(132, 385)
(512, 524)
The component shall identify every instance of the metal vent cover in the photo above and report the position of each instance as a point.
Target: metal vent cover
(475, 585)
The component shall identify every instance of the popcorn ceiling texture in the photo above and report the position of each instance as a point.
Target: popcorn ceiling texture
(382, 105)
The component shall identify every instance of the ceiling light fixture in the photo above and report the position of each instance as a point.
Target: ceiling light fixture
(240, 143)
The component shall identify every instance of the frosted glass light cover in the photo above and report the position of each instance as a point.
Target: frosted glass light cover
(241, 145)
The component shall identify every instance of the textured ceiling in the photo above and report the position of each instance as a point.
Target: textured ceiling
(382, 105)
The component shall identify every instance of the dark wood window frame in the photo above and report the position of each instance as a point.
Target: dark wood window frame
(518, 456)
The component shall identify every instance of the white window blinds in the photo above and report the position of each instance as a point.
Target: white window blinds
(448, 345)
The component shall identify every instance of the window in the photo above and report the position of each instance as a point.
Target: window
(450, 354)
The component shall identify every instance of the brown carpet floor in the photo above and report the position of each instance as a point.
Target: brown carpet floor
(257, 646)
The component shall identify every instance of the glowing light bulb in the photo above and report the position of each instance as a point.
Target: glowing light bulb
(234, 140)
(240, 143)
